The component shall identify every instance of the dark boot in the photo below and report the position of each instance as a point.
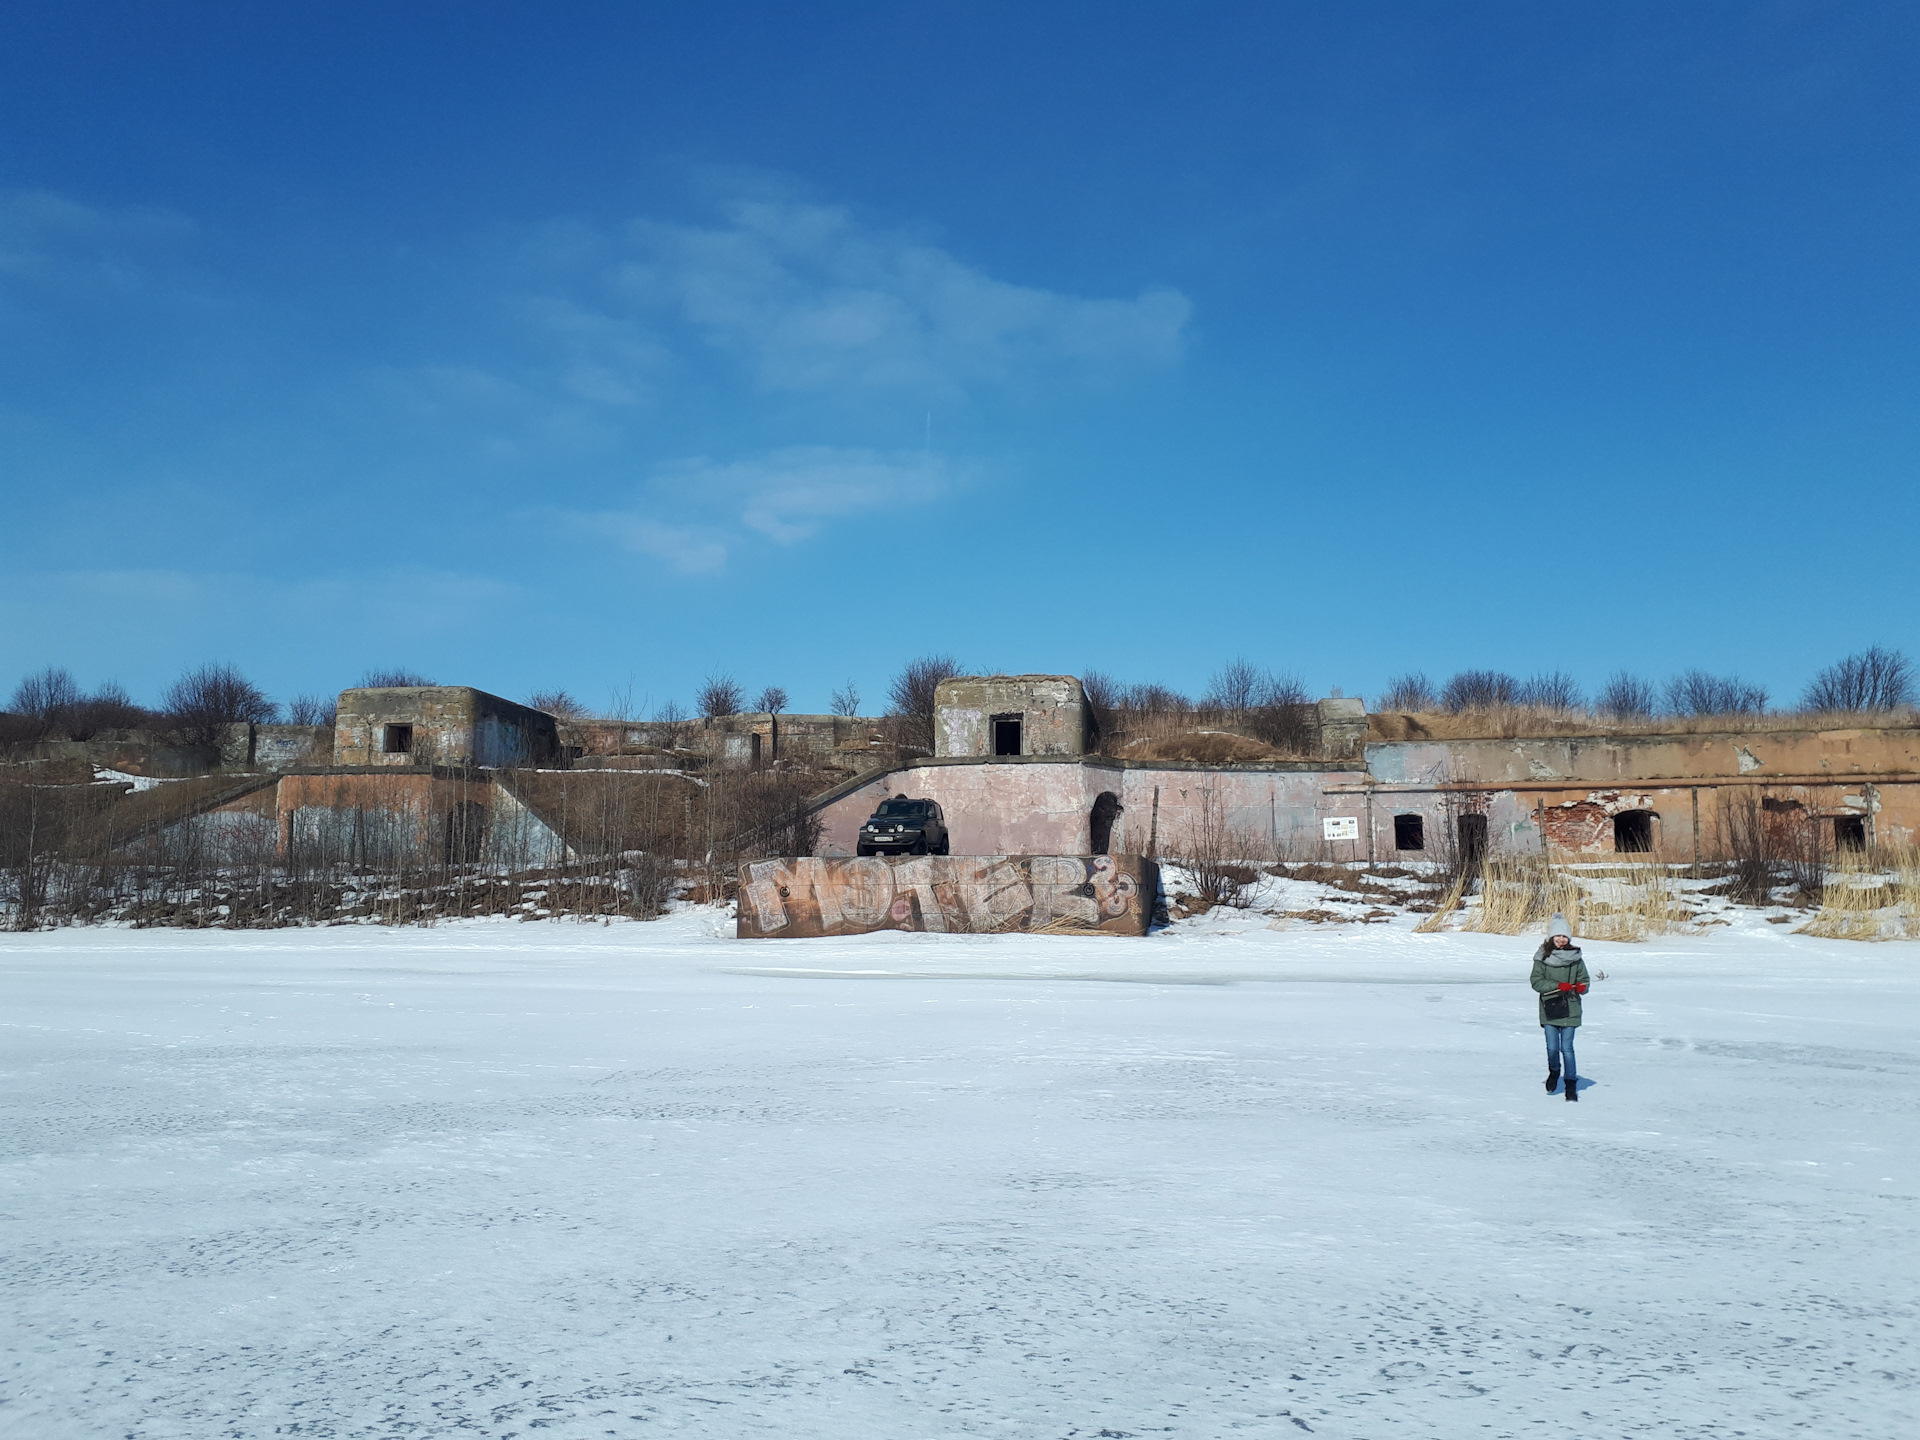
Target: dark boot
(1573, 1087)
(1553, 1079)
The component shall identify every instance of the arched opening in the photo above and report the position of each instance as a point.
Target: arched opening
(1106, 808)
(1633, 832)
(1409, 832)
(466, 832)
(1849, 832)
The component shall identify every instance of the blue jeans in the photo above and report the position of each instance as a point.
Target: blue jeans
(1560, 1048)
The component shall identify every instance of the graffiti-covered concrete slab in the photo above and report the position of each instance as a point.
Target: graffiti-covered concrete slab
(810, 896)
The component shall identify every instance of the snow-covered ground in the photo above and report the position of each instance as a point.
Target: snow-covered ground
(500, 1179)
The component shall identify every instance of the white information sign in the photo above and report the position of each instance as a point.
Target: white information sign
(1340, 827)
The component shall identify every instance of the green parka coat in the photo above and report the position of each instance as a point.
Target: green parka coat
(1553, 968)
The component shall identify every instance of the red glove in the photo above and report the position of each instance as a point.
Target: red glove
(1565, 988)
(1579, 989)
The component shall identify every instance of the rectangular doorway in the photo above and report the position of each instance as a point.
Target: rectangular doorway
(1006, 734)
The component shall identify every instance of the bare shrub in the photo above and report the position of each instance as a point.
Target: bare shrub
(846, 700)
(1872, 679)
(1695, 692)
(312, 710)
(1627, 697)
(1410, 692)
(1212, 855)
(1553, 690)
(392, 677)
(1746, 842)
(771, 701)
(1282, 715)
(1479, 690)
(719, 696)
(1104, 696)
(557, 703)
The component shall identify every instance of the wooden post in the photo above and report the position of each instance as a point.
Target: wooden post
(1694, 868)
(1153, 829)
(1370, 829)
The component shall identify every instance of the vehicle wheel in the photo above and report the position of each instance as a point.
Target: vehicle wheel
(919, 846)
(862, 851)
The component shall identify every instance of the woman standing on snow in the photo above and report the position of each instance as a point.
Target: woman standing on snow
(1560, 977)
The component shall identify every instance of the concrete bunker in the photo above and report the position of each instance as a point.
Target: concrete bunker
(1002, 716)
(426, 725)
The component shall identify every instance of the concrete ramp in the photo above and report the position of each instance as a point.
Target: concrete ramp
(809, 896)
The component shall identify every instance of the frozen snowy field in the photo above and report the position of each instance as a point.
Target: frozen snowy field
(545, 1179)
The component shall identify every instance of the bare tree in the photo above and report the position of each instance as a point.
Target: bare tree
(1627, 697)
(312, 710)
(846, 700)
(557, 703)
(719, 696)
(910, 697)
(1875, 678)
(1235, 687)
(203, 702)
(1695, 692)
(1412, 691)
(392, 677)
(911, 692)
(1479, 690)
(47, 698)
(771, 701)
(108, 708)
(1552, 690)
(673, 722)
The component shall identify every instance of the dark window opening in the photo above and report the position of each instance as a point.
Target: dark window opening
(1106, 808)
(1409, 832)
(1633, 832)
(1849, 832)
(1473, 840)
(397, 740)
(1006, 734)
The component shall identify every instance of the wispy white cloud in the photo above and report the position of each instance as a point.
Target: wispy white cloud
(809, 299)
(52, 240)
(695, 512)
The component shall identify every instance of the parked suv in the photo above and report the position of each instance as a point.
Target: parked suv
(901, 826)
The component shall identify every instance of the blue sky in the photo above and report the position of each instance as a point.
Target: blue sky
(610, 346)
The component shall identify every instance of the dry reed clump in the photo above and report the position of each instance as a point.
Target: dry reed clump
(1520, 894)
(1862, 900)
